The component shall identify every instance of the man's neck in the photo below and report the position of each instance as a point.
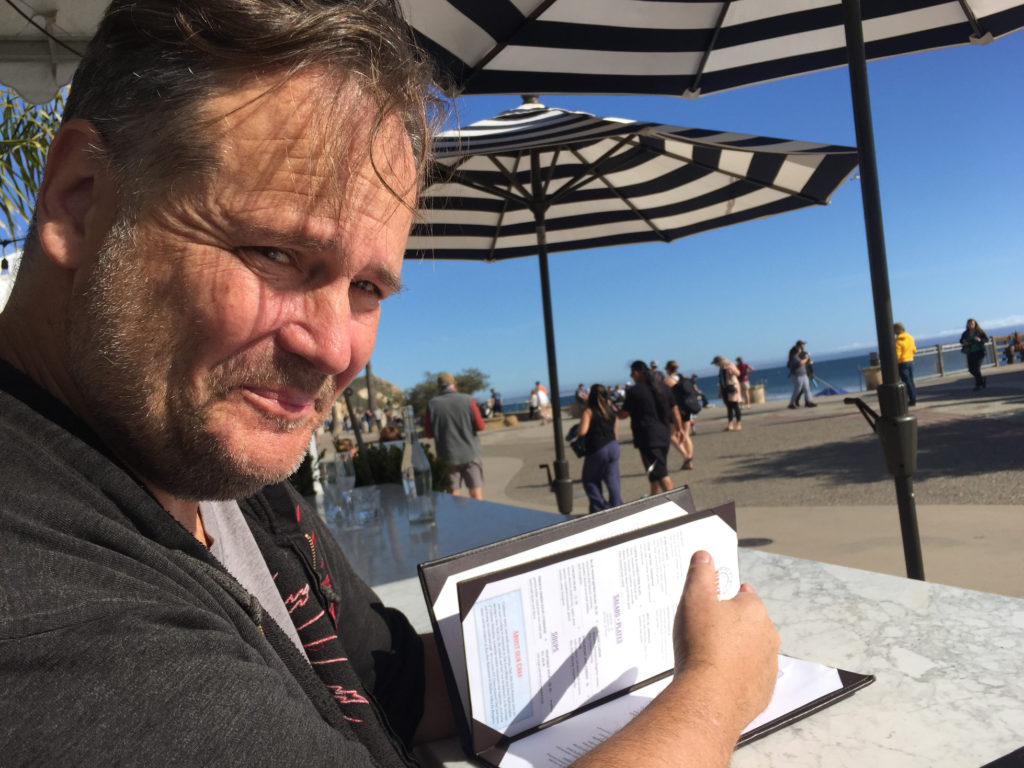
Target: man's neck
(185, 512)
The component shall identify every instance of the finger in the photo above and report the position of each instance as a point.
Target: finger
(702, 577)
(744, 587)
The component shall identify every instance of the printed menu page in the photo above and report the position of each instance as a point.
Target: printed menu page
(542, 644)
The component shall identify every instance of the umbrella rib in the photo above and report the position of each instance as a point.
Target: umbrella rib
(503, 44)
(551, 173)
(456, 176)
(497, 231)
(628, 203)
(971, 18)
(694, 88)
(472, 183)
(510, 177)
(591, 168)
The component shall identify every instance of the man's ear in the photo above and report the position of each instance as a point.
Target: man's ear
(77, 200)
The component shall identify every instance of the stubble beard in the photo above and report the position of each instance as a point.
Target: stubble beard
(131, 365)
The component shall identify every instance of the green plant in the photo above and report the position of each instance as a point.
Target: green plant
(376, 464)
(383, 464)
(25, 134)
(440, 471)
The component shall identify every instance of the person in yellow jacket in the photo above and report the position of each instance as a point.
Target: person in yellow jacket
(905, 349)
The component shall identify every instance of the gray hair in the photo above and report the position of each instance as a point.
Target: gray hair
(153, 64)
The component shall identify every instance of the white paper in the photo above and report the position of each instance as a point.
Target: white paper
(544, 643)
(446, 606)
(799, 683)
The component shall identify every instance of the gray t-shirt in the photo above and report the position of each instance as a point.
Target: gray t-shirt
(235, 547)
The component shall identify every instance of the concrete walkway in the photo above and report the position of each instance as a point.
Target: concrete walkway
(813, 482)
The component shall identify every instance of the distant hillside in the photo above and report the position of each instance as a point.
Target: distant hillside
(387, 395)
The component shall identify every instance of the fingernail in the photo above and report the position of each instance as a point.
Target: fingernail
(700, 556)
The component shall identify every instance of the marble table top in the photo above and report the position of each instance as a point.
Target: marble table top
(949, 664)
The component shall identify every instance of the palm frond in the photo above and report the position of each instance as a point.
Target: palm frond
(25, 134)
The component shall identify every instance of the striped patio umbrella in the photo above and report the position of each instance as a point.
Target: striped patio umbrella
(692, 47)
(678, 47)
(535, 180)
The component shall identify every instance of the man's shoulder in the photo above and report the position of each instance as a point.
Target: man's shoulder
(451, 396)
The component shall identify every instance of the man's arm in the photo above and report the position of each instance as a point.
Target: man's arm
(478, 420)
(726, 665)
(437, 721)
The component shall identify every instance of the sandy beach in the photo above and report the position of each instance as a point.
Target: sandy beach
(813, 482)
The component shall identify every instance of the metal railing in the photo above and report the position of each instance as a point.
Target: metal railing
(940, 360)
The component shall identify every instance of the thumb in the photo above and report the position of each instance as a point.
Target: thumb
(702, 578)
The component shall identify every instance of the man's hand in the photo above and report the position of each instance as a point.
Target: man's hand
(731, 644)
(726, 664)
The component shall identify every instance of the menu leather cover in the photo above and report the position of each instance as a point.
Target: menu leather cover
(452, 586)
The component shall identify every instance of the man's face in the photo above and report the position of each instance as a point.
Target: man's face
(215, 335)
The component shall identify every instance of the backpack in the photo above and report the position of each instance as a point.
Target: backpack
(686, 396)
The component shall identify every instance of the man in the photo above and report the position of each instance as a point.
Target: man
(453, 420)
(745, 370)
(222, 211)
(653, 416)
(656, 374)
(544, 404)
(905, 349)
(798, 363)
(496, 396)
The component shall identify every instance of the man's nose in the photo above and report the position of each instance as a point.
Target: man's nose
(318, 329)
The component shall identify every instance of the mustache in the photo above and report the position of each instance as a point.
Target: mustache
(276, 370)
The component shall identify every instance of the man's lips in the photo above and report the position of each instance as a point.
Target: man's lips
(287, 403)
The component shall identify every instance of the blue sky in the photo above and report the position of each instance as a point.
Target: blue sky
(948, 126)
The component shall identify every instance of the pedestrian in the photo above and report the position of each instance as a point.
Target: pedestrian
(729, 391)
(544, 404)
(798, 364)
(745, 371)
(688, 403)
(652, 415)
(600, 429)
(972, 344)
(453, 419)
(703, 402)
(905, 349)
(496, 396)
(533, 403)
(655, 373)
(1014, 349)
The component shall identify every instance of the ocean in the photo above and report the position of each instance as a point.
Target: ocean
(841, 373)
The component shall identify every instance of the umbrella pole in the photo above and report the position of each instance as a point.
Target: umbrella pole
(896, 429)
(562, 484)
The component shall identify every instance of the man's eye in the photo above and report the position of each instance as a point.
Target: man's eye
(368, 288)
(270, 253)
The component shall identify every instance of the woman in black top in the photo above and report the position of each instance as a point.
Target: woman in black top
(972, 344)
(600, 430)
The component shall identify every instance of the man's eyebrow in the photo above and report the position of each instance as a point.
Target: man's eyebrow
(271, 234)
(391, 282)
